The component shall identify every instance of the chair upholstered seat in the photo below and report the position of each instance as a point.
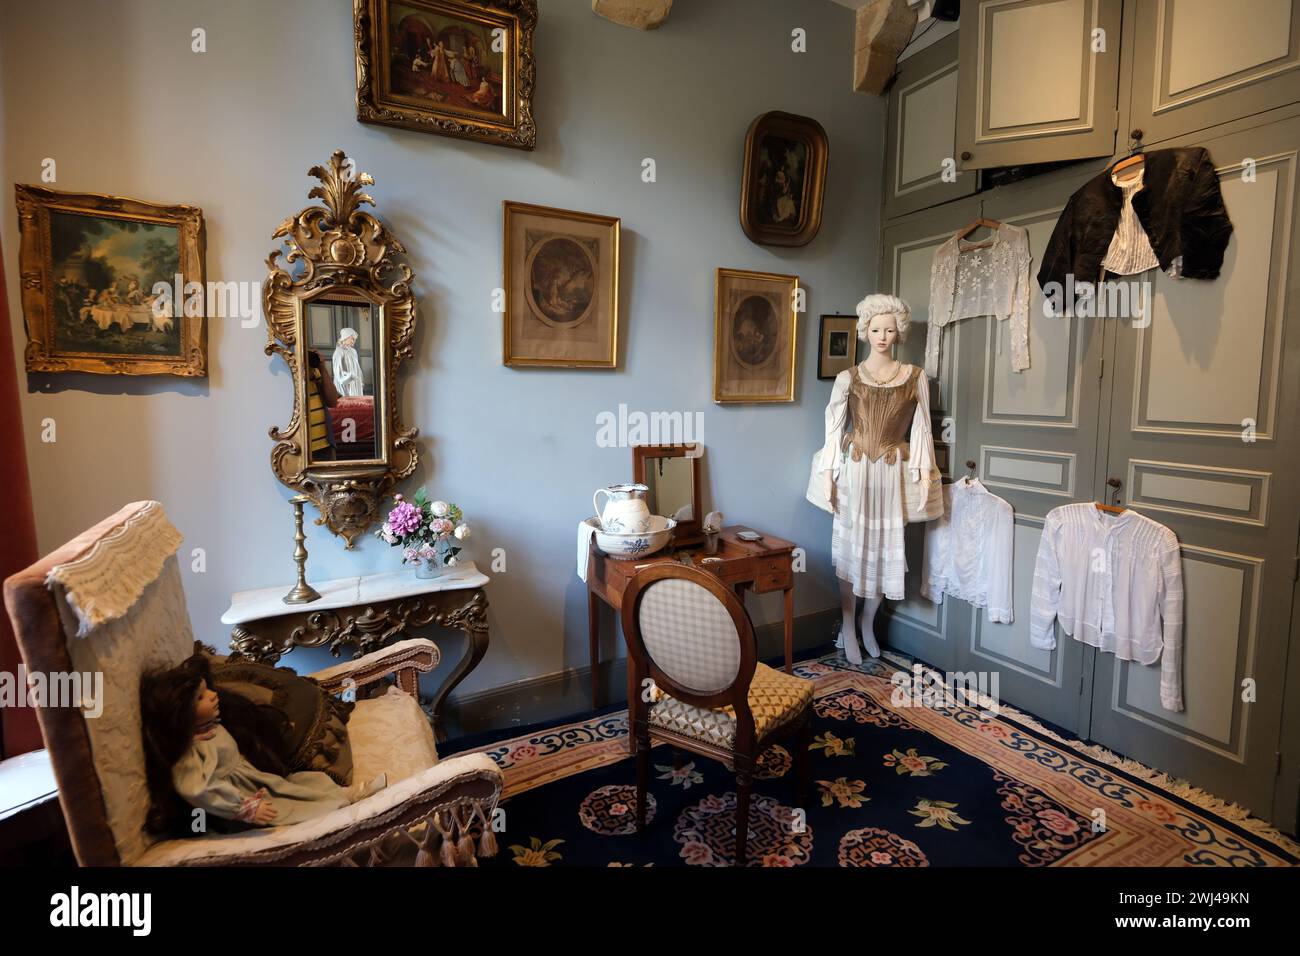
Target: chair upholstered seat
(775, 698)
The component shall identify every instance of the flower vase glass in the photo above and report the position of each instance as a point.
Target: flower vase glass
(428, 567)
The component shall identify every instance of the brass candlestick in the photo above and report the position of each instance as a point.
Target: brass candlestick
(302, 593)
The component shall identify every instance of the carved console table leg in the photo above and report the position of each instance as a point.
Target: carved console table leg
(367, 627)
(472, 622)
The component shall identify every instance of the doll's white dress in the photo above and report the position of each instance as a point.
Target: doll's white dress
(867, 545)
(214, 776)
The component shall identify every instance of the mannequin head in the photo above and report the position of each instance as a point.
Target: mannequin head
(883, 321)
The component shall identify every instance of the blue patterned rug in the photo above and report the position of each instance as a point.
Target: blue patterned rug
(948, 784)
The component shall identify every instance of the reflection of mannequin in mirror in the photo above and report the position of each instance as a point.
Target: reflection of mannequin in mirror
(347, 365)
(877, 423)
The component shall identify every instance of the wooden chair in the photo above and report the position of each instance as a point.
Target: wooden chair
(689, 634)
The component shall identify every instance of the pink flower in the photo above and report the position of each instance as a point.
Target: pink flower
(441, 526)
(404, 519)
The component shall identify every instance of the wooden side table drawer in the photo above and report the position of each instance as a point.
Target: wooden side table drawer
(773, 580)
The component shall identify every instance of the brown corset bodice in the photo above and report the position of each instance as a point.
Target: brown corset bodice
(879, 417)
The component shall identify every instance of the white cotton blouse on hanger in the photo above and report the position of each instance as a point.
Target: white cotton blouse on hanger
(971, 279)
(1130, 249)
(968, 551)
(1115, 582)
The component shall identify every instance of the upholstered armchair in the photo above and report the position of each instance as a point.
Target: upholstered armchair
(693, 638)
(111, 601)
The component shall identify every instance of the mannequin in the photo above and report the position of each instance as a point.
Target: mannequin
(877, 425)
(347, 366)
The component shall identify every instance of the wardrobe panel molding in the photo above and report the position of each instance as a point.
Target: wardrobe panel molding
(1040, 81)
(1190, 71)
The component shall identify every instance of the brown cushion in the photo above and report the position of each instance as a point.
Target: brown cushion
(317, 735)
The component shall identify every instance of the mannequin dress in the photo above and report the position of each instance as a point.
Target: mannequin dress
(873, 432)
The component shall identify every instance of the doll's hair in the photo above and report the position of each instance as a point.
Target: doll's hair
(167, 714)
(878, 303)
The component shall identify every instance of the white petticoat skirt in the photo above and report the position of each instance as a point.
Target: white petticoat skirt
(867, 544)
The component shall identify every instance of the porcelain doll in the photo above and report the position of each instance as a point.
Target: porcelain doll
(196, 758)
(877, 423)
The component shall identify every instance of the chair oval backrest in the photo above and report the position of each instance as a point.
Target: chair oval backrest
(690, 635)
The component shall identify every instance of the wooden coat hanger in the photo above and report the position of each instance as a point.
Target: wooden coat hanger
(1134, 158)
(1116, 508)
(975, 224)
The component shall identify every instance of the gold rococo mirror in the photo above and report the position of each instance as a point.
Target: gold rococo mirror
(340, 313)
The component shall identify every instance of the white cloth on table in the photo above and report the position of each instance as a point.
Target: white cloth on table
(972, 279)
(867, 547)
(1115, 582)
(585, 531)
(969, 550)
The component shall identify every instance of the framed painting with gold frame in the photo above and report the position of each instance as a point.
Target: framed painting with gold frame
(460, 68)
(93, 268)
(783, 179)
(561, 287)
(754, 335)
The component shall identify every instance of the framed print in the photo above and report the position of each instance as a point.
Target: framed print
(561, 283)
(754, 329)
(461, 68)
(783, 179)
(90, 266)
(837, 344)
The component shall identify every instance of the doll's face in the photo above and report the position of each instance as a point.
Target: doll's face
(207, 706)
(882, 332)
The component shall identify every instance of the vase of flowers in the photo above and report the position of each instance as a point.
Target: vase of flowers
(428, 532)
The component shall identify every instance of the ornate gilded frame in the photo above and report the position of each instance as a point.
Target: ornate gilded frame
(517, 18)
(338, 248)
(36, 267)
(811, 133)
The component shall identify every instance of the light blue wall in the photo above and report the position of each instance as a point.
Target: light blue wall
(112, 91)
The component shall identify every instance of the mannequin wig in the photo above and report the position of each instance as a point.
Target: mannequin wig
(878, 303)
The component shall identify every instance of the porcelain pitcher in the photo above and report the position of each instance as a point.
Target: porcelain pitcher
(625, 509)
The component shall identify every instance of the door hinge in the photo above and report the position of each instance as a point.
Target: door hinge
(1277, 770)
(1101, 368)
(1080, 685)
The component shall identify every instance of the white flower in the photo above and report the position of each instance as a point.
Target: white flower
(440, 509)
(451, 560)
(462, 531)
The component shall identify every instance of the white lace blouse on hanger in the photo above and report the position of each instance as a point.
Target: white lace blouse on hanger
(968, 279)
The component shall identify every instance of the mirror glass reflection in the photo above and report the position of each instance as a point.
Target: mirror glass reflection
(342, 364)
(672, 487)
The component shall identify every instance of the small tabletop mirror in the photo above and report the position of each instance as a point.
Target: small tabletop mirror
(672, 474)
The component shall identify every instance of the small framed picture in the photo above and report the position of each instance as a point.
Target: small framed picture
(838, 345)
(754, 336)
(109, 284)
(561, 283)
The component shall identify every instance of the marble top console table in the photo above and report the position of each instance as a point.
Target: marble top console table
(365, 613)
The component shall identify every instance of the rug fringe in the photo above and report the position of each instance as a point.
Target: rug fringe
(1234, 812)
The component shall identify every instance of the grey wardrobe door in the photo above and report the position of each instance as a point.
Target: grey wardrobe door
(915, 625)
(1189, 70)
(1033, 436)
(1205, 435)
(920, 150)
(1039, 81)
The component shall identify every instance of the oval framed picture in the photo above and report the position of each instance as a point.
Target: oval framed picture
(754, 336)
(783, 180)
